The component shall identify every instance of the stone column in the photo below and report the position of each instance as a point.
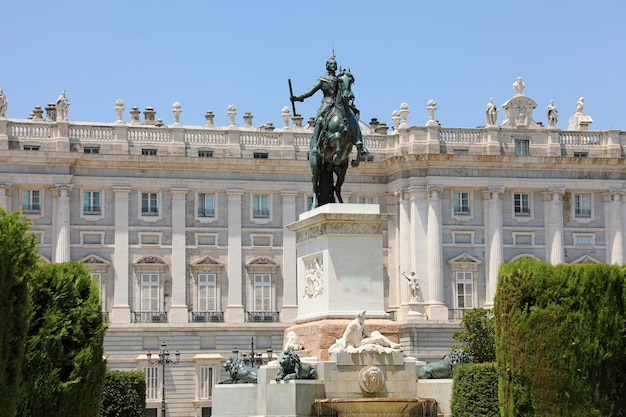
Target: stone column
(234, 309)
(393, 255)
(120, 312)
(553, 206)
(614, 227)
(405, 241)
(435, 306)
(419, 251)
(178, 308)
(5, 196)
(493, 239)
(290, 291)
(62, 252)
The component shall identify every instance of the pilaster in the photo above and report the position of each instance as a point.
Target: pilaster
(553, 206)
(234, 308)
(178, 309)
(289, 272)
(120, 312)
(615, 247)
(494, 241)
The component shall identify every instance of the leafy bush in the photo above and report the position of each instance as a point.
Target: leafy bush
(479, 335)
(18, 257)
(124, 394)
(561, 339)
(63, 367)
(475, 390)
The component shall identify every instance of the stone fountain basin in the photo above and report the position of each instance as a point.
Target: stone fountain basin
(379, 407)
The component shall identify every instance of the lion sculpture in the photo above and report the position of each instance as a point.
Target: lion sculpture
(239, 372)
(290, 367)
(444, 368)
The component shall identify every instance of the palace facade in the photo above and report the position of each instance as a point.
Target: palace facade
(185, 227)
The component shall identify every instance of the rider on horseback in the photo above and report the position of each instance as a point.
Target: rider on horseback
(328, 84)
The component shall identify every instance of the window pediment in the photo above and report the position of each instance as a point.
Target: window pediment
(465, 258)
(262, 264)
(207, 263)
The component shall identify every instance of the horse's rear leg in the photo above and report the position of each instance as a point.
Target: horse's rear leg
(340, 171)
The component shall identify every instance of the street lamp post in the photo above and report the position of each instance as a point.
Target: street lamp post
(164, 359)
(253, 359)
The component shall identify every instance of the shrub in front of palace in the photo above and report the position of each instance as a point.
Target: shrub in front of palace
(561, 339)
(478, 335)
(124, 394)
(63, 367)
(475, 385)
(18, 256)
(475, 390)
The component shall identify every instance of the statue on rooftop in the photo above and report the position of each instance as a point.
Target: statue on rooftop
(519, 86)
(336, 131)
(552, 114)
(4, 103)
(491, 111)
(62, 108)
(580, 104)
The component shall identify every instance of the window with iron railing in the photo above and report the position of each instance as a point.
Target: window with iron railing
(31, 201)
(461, 203)
(521, 204)
(91, 202)
(149, 204)
(260, 206)
(206, 207)
(582, 206)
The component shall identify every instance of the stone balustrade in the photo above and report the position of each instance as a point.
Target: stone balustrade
(295, 139)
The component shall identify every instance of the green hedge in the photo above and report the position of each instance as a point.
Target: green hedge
(124, 394)
(475, 390)
(561, 339)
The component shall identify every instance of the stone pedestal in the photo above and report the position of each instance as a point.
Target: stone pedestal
(339, 250)
(318, 336)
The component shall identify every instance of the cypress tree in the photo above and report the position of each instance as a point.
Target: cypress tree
(18, 256)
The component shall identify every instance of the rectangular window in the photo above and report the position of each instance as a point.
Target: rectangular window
(152, 382)
(91, 150)
(150, 292)
(309, 202)
(461, 204)
(206, 206)
(205, 154)
(260, 155)
(91, 202)
(582, 206)
(464, 289)
(521, 204)
(205, 382)
(522, 148)
(149, 205)
(149, 152)
(261, 206)
(207, 289)
(581, 154)
(366, 200)
(31, 201)
(31, 148)
(367, 158)
(262, 292)
(460, 151)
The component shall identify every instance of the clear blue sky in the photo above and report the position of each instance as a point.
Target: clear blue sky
(209, 54)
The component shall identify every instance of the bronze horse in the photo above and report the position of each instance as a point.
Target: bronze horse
(339, 135)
